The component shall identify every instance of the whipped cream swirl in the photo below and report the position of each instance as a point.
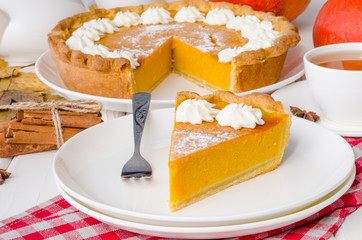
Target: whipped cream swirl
(227, 54)
(88, 33)
(126, 19)
(156, 15)
(239, 22)
(219, 16)
(239, 115)
(259, 33)
(83, 39)
(79, 42)
(103, 25)
(189, 14)
(98, 49)
(195, 111)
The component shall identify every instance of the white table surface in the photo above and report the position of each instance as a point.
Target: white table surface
(31, 182)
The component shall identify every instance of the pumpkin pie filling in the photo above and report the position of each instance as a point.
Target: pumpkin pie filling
(207, 158)
(203, 69)
(163, 48)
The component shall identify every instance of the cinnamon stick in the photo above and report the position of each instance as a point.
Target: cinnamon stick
(36, 134)
(7, 150)
(46, 125)
(68, 119)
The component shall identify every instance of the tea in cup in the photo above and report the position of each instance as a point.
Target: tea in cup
(334, 76)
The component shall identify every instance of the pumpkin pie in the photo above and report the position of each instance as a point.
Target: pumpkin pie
(150, 51)
(206, 158)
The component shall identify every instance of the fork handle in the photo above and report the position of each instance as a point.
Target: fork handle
(140, 106)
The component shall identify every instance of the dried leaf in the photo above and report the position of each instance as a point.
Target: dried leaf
(3, 63)
(4, 85)
(7, 97)
(24, 81)
(52, 97)
(7, 116)
(7, 72)
(10, 96)
(22, 87)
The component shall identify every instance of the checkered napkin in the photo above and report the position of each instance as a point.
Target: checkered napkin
(57, 219)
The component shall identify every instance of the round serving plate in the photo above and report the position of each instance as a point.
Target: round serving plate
(315, 163)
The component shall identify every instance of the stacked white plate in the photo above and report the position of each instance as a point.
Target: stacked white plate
(317, 168)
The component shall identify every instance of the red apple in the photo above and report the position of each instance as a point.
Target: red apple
(338, 21)
(288, 8)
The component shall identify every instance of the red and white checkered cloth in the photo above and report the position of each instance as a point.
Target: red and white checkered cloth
(57, 219)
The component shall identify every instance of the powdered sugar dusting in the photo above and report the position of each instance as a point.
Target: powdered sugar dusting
(189, 142)
(142, 40)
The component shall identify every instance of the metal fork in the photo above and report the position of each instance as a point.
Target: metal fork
(137, 166)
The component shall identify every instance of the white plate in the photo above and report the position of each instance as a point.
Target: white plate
(220, 232)
(298, 95)
(88, 167)
(164, 95)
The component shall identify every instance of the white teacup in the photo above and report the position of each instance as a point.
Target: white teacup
(24, 26)
(338, 92)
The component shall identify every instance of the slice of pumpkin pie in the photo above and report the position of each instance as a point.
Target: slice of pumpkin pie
(222, 139)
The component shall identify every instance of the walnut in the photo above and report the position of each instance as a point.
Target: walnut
(311, 116)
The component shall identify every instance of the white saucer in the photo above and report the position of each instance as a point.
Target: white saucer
(219, 232)
(298, 94)
(163, 96)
